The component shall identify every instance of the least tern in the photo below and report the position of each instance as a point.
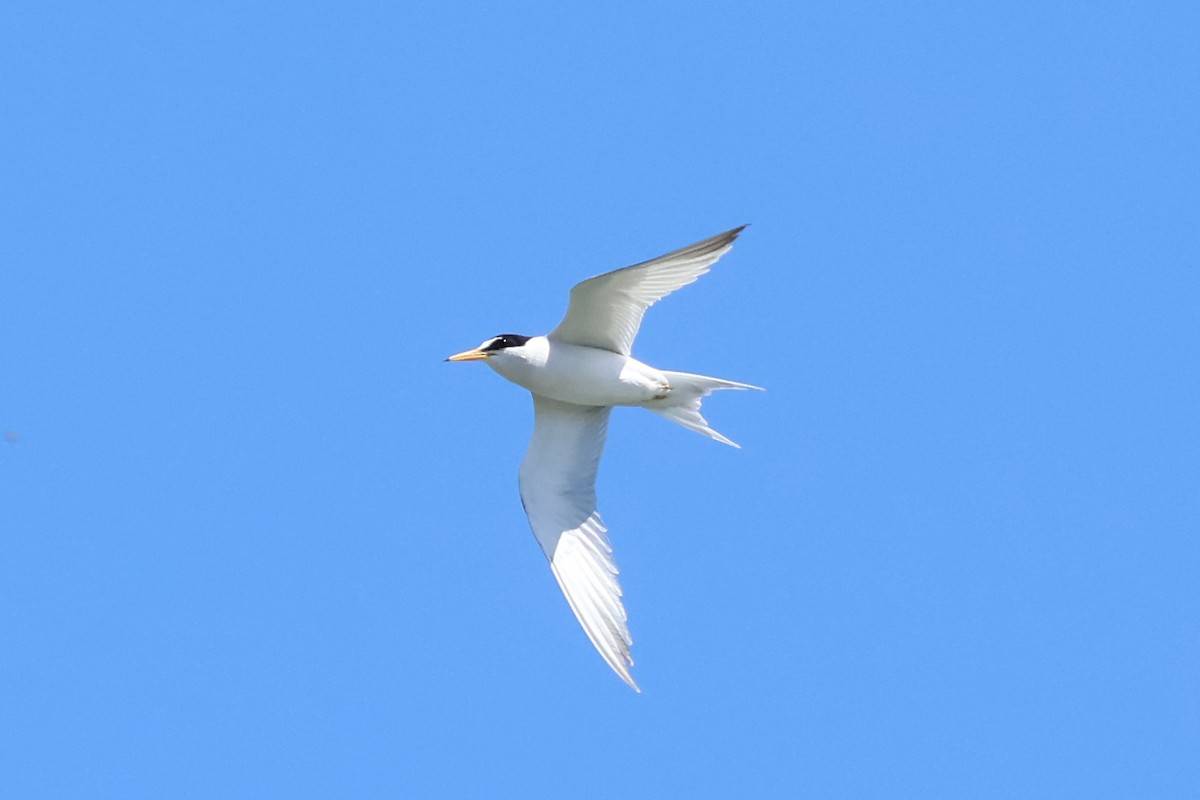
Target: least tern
(577, 373)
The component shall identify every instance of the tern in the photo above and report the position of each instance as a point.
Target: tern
(577, 373)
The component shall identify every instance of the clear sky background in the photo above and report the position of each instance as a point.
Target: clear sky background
(258, 540)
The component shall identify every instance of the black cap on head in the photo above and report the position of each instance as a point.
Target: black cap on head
(504, 340)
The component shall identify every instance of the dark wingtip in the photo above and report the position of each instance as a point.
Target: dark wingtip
(731, 235)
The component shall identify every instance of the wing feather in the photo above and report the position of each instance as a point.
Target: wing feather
(606, 311)
(558, 490)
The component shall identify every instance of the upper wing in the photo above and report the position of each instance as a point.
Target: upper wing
(558, 491)
(606, 311)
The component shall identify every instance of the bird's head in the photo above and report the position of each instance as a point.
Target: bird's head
(497, 345)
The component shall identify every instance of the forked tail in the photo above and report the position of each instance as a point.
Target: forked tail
(688, 391)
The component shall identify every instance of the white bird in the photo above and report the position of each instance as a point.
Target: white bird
(577, 373)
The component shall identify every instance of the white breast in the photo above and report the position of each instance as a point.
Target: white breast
(586, 376)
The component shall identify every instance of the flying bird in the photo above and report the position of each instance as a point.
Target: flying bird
(577, 373)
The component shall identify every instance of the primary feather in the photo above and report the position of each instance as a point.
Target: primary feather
(606, 311)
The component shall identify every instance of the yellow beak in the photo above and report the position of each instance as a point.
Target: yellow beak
(469, 355)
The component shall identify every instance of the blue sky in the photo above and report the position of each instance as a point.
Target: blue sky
(258, 540)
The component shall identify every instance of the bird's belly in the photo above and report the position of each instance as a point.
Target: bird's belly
(588, 376)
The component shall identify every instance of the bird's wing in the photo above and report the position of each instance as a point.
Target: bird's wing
(606, 311)
(558, 491)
